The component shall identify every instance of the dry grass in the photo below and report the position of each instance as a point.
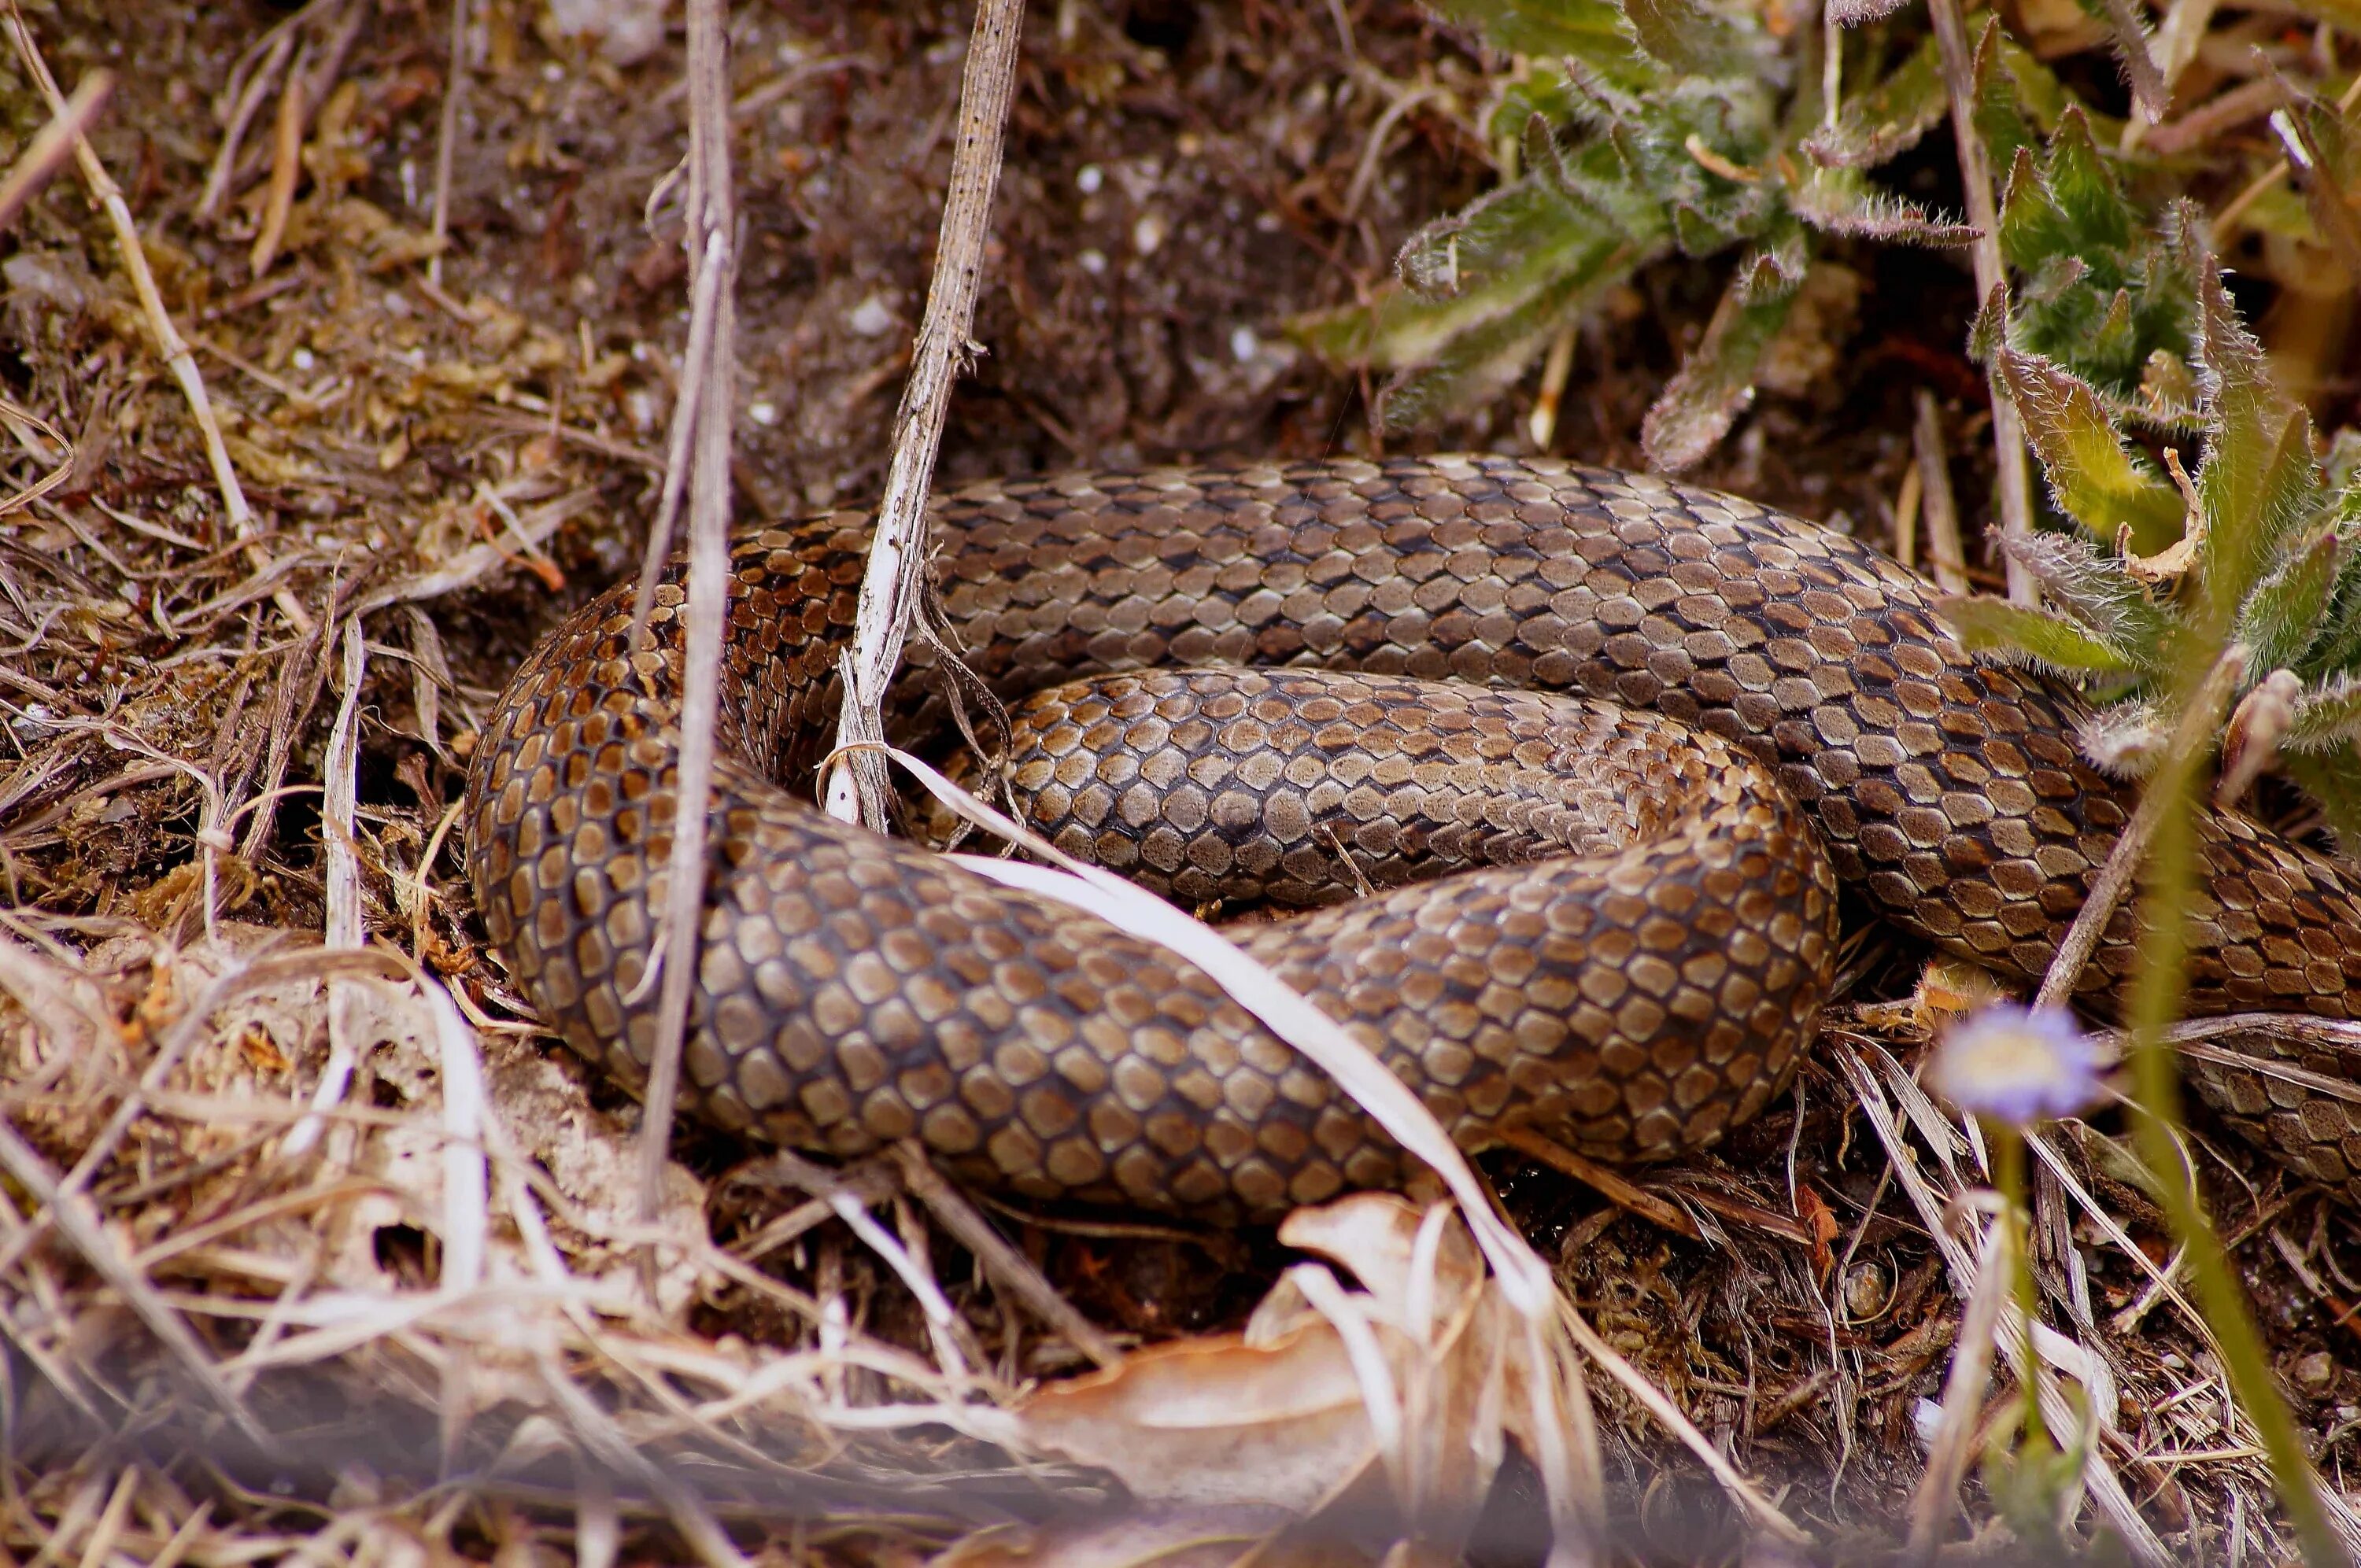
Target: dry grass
(314, 1251)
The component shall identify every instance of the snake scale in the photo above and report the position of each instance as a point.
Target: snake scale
(1648, 729)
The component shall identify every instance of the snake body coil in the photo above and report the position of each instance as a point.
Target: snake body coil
(1636, 996)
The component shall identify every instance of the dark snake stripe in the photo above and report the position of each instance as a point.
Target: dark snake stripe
(853, 989)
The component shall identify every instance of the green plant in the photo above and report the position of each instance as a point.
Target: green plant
(2263, 544)
(1664, 127)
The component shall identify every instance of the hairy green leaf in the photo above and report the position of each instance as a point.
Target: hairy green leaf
(2032, 229)
(1476, 362)
(2125, 739)
(2284, 615)
(1510, 238)
(2100, 593)
(2002, 117)
(1774, 270)
(2168, 392)
(1534, 90)
(1717, 381)
(1592, 31)
(2092, 474)
(2085, 191)
(2018, 634)
(2335, 646)
(2129, 30)
(1467, 343)
(2099, 295)
(2258, 482)
(2342, 468)
(1697, 41)
(2062, 208)
(1857, 13)
(2326, 717)
(1840, 200)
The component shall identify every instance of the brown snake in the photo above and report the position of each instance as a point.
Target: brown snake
(1649, 987)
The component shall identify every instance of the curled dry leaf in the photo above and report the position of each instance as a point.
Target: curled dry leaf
(1414, 1382)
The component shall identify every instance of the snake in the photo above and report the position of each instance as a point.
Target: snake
(1553, 782)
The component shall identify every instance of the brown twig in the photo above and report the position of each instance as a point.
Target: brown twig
(1611, 1184)
(51, 146)
(60, 471)
(276, 47)
(2016, 476)
(446, 140)
(1945, 557)
(286, 169)
(889, 589)
(711, 230)
(2225, 111)
(1002, 1261)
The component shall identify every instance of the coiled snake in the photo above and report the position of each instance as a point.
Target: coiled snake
(1708, 713)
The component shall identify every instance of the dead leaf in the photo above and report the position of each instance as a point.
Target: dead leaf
(1215, 1420)
(1418, 1381)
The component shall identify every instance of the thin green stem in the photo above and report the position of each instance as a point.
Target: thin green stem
(2008, 1174)
(2154, 1002)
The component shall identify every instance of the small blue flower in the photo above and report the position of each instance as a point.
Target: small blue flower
(2018, 1064)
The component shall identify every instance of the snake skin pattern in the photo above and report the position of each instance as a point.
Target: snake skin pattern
(1635, 999)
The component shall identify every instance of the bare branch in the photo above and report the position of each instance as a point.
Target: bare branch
(52, 146)
(889, 590)
(2015, 476)
(711, 225)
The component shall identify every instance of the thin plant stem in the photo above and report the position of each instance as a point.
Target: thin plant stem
(2154, 1002)
(710, 246)
(2015, 486)
(2007, 1144)
(856, 788)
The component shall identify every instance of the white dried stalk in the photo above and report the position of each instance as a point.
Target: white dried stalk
(889, 588)
(341, 786)
(708, 241)
(466, 1110)
(1938, 1493)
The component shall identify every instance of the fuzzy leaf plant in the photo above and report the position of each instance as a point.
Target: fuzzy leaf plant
(2101, 289)
(1643, 128)
(2260, 546)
